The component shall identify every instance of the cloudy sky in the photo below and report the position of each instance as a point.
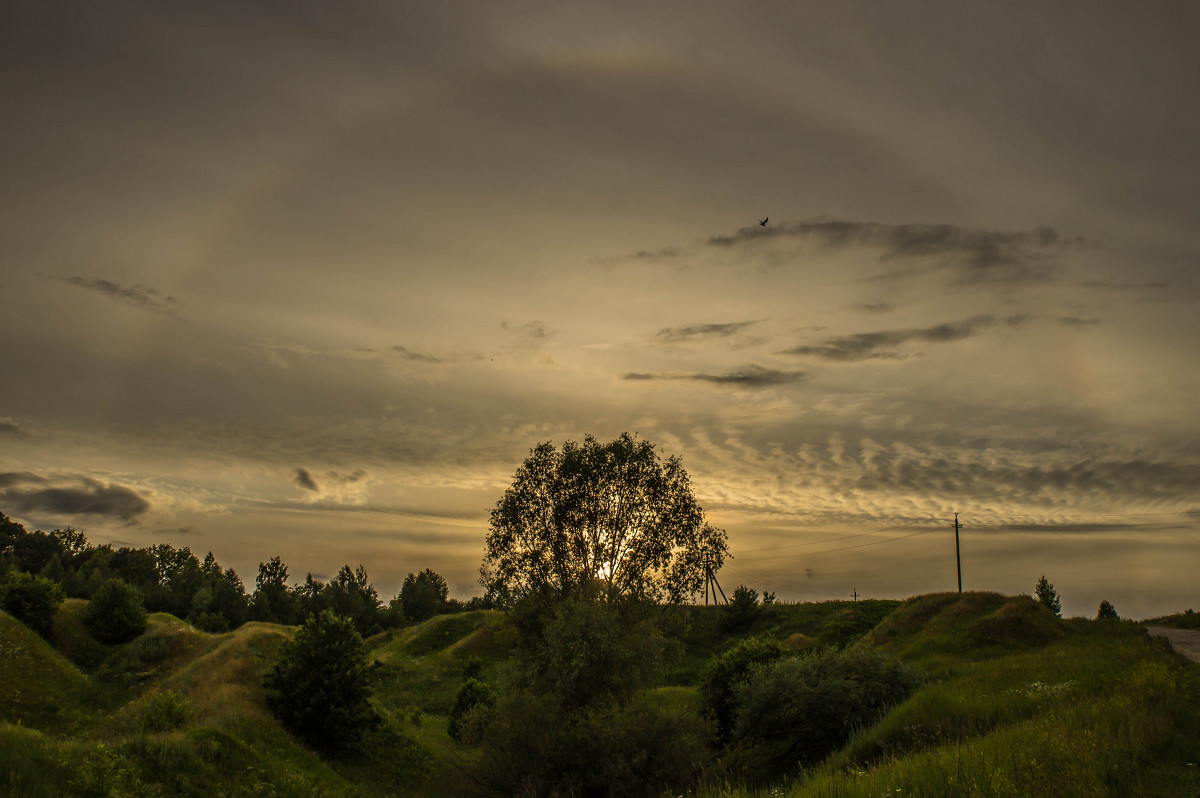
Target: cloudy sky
(311, 280)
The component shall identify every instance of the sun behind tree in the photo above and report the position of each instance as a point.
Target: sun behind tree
(611, 519)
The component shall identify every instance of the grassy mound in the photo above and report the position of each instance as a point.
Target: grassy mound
(39, 687)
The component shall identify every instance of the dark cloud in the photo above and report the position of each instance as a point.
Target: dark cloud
(658, 254)
(879, 345)
(136, 295)
(876, 307)
(531, 329)
(748, 376)
(702, 331)
(178, 530)
(408, 354)
(357, 475)
(304, 480)
(1075, 321)
(26, 493)
(12, 428)
(1101, 285)
(976, 255)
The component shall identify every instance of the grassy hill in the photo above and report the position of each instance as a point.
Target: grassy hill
(1018, 702)
(1021, 703)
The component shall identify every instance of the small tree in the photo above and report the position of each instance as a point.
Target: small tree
(473, 693)
(32, 600)
(742, 608)
(320, 684)
(116, 614)
(423, 595)
(1107, 610)
(1047, 596)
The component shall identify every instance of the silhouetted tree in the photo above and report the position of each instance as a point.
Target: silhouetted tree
(272, 601)
(611, 519)
(351, 594)
(1107, 610)
(1047, 596)
(742, 608)
(423, 595)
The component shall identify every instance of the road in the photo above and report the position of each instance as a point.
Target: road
(1185, 641)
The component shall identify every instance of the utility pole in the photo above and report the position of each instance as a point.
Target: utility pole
(957, 556)
(854, 593)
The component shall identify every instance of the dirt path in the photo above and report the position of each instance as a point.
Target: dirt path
(1185, 641)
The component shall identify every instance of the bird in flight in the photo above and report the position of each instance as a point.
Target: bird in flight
(764, 221)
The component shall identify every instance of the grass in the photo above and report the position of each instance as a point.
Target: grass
(694, 634)
(1018, 702)
(1180, 620)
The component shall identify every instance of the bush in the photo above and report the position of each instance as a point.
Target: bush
(723, 673)
(115, 614)
(799, 709)
(166, 712)
(472, 694)
(32, 600)
(742, 609)
(1107, 610)
(591, 651)
(639, 748)
(212, 622)
(320, 684)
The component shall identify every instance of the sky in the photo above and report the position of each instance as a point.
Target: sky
(311, 280)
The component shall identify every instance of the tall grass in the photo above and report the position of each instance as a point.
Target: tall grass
(1065, 709)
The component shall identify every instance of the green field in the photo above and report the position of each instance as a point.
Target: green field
(1016, 702)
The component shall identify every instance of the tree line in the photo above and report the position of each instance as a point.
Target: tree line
(38, 569)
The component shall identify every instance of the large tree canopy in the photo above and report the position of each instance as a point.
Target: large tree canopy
(610, 517)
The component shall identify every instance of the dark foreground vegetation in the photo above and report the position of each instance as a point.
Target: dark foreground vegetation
(1002, 699)
(583, 671)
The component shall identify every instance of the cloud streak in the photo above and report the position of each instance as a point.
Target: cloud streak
(748, 376)
(139, 296)
(880, 344)
(975, 255)
(695, 331)
(420, 357)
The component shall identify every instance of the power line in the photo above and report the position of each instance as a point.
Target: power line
(1185, 513)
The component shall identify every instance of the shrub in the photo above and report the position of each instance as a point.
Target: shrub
(799, 709)
(1107, 610)
(115, 614)
(723, 673)
(742, 609)
(213, 622)
(320, 684)
(166, 712)
(638, 748)
(591, 651)
(32, 600)
(472, 694)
